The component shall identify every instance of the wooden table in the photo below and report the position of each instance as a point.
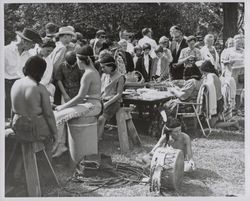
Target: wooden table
(153, 106)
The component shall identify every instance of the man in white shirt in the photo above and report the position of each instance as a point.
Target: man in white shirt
(147, 38)
(126, 36)
(65, 35)
(15, 56)
(44, 51)
(97, 42)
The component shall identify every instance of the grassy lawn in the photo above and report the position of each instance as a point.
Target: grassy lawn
(219, 158)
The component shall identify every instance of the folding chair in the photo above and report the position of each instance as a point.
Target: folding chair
(201, 106)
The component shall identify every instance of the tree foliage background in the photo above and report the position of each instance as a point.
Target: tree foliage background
(87, 18)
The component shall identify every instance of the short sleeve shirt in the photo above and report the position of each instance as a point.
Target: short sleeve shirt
(190, 88)
(186, 52)
(70, 78)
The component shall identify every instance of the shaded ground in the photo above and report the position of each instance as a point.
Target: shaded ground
(219, 158)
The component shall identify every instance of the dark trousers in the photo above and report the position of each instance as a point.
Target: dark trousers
(8, 86)
(57, 95)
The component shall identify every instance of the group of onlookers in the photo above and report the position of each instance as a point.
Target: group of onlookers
(78, 70)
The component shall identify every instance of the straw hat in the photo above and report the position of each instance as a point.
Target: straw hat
(65, 31)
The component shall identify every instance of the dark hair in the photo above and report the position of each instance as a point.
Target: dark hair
(79, 36)
(70, 57)
(145, 31)
(192, 72)
(51, 27)
(146, 46)
(190, 38)
(177, 27)
(173, 123)
(106, 45)
(208, 67)
(109, 61)
(84, 52)
(137, 47)
(35, 67)
(48, 43)
(159, 49)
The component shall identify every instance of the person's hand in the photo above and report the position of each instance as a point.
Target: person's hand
(174, 65)
(59, 107)
(66, 98)
(172, 90)
(105, 105)
(190, 57)
(158, 79)
(192, 164)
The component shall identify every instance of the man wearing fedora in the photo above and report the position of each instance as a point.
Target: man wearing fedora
(65, 35)
(16, 54)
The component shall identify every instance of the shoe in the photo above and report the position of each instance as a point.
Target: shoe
(60, 150)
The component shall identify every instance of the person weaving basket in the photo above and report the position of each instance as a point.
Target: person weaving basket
(172, 136)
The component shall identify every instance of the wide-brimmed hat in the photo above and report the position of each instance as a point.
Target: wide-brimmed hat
(65, 31)
(30, 35)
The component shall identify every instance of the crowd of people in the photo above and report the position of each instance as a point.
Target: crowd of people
(74, 77)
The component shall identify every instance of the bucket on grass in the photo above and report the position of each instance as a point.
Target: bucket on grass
(82, 137)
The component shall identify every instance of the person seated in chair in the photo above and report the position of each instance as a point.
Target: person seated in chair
(187, 93)
(216, 102)
(173, 136)
(112, 87)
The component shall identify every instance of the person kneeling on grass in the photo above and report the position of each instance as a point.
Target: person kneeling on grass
(172, 136)
(112, 87)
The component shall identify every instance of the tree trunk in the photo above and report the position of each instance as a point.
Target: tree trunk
(230, 11)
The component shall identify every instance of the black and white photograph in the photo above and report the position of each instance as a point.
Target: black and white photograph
(124, 99)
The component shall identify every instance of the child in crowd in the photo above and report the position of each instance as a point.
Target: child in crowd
(138, 53)
(145, 63)
(161, 65)
(68, 77)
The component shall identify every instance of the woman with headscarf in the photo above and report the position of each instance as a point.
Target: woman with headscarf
(112, 87)
(86, 103)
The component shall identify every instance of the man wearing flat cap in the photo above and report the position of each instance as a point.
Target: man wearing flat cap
(65, 35)
(15, 56)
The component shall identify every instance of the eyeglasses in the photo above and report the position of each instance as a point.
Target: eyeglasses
(102, 36)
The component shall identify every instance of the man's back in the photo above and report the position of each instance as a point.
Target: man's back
(26, 97)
